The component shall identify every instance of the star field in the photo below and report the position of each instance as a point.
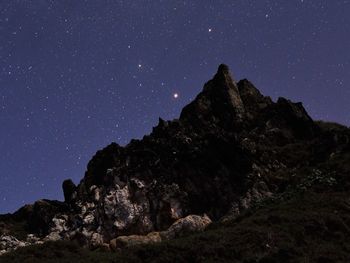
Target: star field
(77, 75)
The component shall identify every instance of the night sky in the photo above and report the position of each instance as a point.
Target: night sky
(78, 75)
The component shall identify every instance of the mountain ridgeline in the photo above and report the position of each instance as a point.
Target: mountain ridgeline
(231, 154)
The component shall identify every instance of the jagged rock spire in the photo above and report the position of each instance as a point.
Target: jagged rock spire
(223, 68)
(219, 102)
(224, 80)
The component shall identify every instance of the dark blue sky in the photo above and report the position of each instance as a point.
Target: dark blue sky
(77, 75)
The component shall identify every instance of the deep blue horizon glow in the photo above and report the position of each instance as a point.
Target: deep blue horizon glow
(78, 75)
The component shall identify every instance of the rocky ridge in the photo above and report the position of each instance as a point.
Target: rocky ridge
(230, 149)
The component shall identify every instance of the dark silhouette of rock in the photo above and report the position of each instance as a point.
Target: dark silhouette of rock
(218, 103)
(254, 102)
(69, 191)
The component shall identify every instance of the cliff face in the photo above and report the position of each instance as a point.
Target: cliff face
(231, 148)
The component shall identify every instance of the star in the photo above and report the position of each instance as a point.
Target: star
(175, 95)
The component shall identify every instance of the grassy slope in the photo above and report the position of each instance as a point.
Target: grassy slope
(309, 227)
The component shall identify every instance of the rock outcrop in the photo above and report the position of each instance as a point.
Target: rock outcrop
(231, 148)
(9, 243)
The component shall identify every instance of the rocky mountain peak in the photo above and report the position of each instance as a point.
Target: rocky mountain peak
(218, 104)
(227, 151)
(223, 78)
(223, 69)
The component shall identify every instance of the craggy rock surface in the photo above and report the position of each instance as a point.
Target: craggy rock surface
(230, 149)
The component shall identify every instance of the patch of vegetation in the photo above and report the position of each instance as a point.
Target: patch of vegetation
(330, 126)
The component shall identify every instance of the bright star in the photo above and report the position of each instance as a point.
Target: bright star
(176, 95)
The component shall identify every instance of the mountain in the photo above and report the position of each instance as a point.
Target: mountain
(235, 161)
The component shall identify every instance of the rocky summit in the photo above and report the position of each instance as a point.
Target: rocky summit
(232, 152)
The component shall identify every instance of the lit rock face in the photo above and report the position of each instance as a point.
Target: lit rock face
(126, 206)
(59, 226)
(9, 243)
(123, 208)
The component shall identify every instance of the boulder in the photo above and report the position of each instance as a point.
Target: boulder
(135, 240)
(32, 239)
(96, 240)
(186, 225)
(183, 226)
(53, 236)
